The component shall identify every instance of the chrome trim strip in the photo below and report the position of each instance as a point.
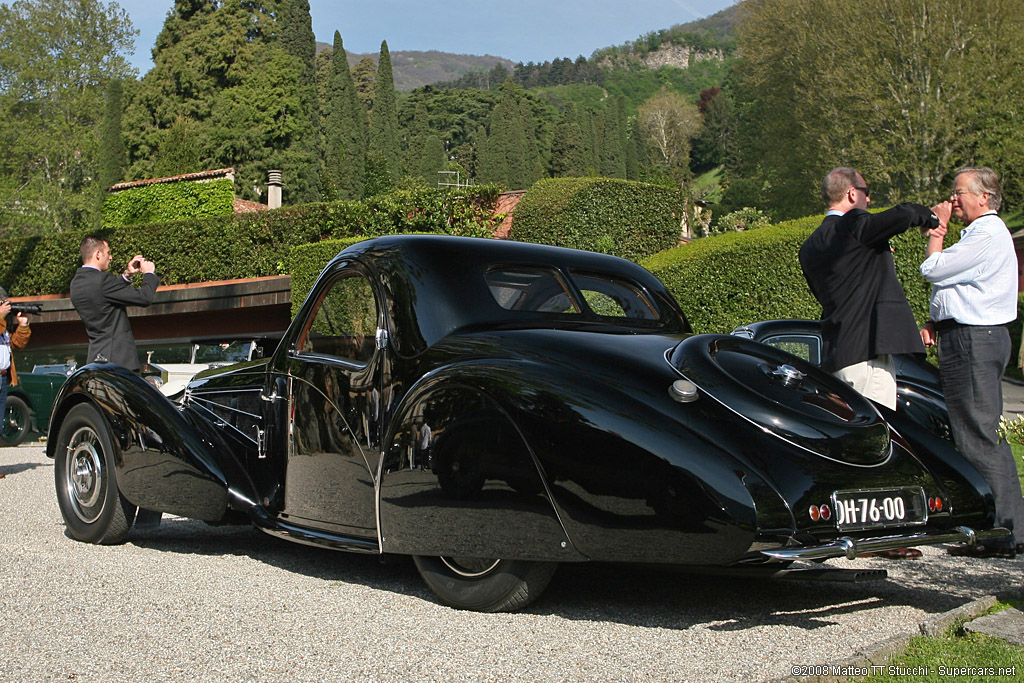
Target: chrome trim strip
(850, 548)
(205, 404)
(219, 421)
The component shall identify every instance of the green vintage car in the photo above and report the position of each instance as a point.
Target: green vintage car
(30, 403)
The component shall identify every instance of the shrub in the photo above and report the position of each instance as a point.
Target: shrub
(619, 217)
(731, 279)
(307, 261)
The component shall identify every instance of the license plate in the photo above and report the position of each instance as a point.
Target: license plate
(879, 508)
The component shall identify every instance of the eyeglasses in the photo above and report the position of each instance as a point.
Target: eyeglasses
(862, 189)
(956, 194)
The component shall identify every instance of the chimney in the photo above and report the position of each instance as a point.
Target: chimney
(274, 189)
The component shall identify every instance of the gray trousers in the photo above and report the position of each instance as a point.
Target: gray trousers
(972, 359)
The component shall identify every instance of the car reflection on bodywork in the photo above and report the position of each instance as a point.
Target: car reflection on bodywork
(493, 409)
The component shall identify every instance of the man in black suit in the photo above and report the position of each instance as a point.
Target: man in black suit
(848, 264)
(101, 297)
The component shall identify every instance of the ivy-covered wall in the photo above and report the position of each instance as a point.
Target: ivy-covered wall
(162, 202)
(620, 217)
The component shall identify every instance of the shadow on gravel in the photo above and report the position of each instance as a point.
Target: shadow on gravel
(18, 468)
(392, 573)
(630, 595)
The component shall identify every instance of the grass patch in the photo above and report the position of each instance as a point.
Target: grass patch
(1018, 455)
(993, 658)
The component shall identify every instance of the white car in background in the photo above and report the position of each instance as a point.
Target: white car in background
(172, 365)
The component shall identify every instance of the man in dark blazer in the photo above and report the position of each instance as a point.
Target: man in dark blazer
(848, 264)
(100, 298)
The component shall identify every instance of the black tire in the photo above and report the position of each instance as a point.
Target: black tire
(94, 510)
(17, 421)
(485, 585)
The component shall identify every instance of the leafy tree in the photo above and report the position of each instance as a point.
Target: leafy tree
(223, 67)
(384, 155)
(669, 121)
(907, 97)
(711, 145)
(345, 133)
(113, 157)
(180, 150)
(56, 57)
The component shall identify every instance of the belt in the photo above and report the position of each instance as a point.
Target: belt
(950, 323)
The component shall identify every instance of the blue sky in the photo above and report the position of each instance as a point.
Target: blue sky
(520, 30)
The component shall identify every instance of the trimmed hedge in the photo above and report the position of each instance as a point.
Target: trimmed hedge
(247, 245)
(727, 280)
(308, 261)
(162, 202)
(613, 216)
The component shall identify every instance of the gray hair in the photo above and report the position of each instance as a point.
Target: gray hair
(836, 183)
(983, 180)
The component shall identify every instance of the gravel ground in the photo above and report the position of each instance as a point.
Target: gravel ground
(192, 602)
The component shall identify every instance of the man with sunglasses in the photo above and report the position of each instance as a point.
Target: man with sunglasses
(865, 316)
(974, 296)
(848, 264)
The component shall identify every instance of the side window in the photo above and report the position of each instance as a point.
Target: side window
(530, 289)
(345, 322)
(804, 346)
(613, 298)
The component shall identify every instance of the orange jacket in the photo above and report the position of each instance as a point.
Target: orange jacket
(19, 340)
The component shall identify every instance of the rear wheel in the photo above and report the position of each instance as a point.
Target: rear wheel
(93, 508)
(16, 422)
(485, 585)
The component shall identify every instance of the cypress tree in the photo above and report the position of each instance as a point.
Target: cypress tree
(568, 148)
(613, 152)
(385, 155)
(507, 156)
(425, 155)
(113, 155)
(295, 37)
(345, 130)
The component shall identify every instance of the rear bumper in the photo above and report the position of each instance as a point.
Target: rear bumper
(850, 548)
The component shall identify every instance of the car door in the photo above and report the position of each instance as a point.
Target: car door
(335, 371)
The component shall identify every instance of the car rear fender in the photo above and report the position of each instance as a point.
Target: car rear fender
(458, 478)
(632, 478)
(626, 478)
(165, 461)
(968, 495)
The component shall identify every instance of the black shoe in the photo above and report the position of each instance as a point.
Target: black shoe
(1007, 551)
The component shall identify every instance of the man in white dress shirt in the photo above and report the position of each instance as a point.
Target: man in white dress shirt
(974, 296)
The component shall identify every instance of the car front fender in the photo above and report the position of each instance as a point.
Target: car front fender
(165, 461)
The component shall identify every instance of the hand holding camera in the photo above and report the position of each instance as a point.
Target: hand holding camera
(139, 264)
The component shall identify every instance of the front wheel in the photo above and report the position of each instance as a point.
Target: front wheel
(93, 508)
(16, 422)
(485, 585)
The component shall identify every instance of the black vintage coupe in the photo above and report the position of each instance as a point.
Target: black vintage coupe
(495, 408)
